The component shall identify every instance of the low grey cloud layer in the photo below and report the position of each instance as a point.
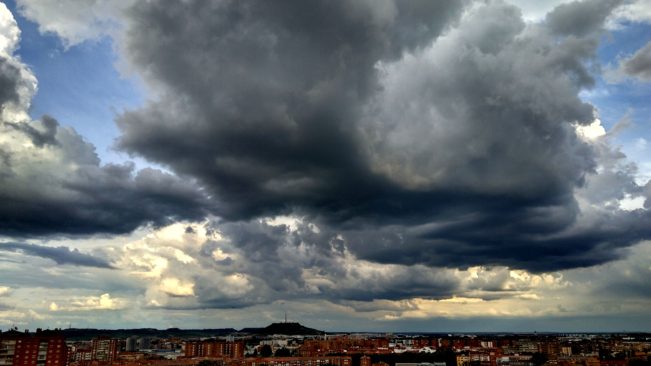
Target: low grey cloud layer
(60, 255)
(233, 265)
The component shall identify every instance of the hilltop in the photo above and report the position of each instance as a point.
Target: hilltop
(291, 328)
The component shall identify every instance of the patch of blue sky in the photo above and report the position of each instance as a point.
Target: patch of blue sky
(625, 98)
(614, 98)
(79, 86)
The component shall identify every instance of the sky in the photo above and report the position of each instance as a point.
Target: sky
(363, 165)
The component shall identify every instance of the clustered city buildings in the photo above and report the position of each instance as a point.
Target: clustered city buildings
(50, 348)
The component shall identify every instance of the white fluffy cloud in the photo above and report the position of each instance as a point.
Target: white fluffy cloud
(179, 267)
(76, 21)
(634, 11)
(21, 82)
(10, 34)
(101, 302)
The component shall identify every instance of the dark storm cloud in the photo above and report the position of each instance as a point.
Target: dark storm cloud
(272, 93)
(309, 260)
(61, 255)
(74, 194)
(112, 200)
(639, 65)
(407, 283)
(447, 142)
(484, 243)
(261, 243)
(52, 182)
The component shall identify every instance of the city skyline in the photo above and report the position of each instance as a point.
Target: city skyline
(382, 166)
(281, 344)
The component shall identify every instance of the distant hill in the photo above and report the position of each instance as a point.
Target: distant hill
(274, 328)
(285, 328)
(251, 331)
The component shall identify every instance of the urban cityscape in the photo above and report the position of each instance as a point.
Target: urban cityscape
(291, 344)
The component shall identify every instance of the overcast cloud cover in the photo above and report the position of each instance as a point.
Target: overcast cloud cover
(403, 162)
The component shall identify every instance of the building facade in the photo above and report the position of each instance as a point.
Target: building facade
(43, 348)
(104, 349)
(213, 348)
